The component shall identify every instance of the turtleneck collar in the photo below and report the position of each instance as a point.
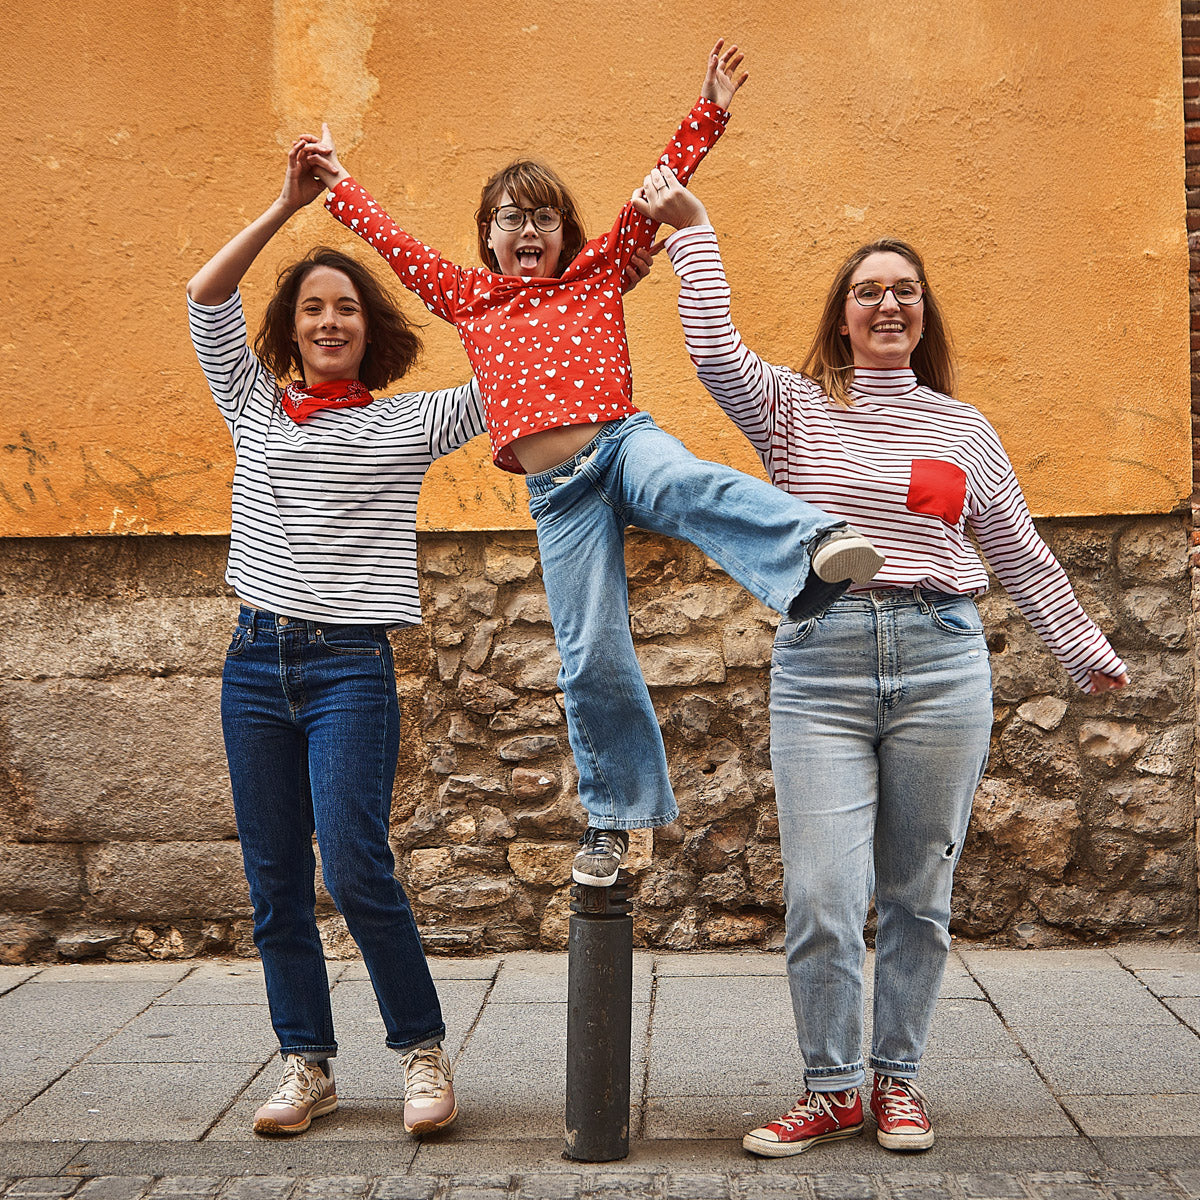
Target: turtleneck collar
(869, 381)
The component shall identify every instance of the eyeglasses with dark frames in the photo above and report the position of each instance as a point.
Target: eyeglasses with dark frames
(870, 293)
(512, 217)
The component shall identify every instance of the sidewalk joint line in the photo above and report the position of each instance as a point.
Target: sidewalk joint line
(1028, 1057)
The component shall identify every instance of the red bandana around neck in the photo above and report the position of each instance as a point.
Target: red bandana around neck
(301, 401)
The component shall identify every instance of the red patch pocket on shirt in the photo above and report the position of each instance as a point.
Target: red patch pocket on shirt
(937, 488)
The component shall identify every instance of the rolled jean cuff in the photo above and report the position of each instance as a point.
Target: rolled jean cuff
(310, 1053)
(430, 1039)
(835, 1079)
(897, 1070)
(632, 822)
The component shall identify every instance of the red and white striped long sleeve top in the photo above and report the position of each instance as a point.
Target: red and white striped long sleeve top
(547, 352)
(909, 467)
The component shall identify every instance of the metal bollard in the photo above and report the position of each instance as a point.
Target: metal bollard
(599, 1020)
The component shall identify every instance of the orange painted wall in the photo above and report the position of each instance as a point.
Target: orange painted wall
(1033, 151)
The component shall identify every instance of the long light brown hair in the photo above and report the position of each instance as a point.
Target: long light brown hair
(536, 185)
(392, 345)
(830, 361)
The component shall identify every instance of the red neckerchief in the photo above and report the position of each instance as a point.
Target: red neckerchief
(300, 400)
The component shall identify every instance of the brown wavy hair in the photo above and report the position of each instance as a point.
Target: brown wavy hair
(392, 344)
(830, 361)
(533, 184)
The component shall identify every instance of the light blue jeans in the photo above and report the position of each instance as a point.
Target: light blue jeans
(881, 715)
(632, 473)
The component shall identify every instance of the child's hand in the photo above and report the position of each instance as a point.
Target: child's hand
(320, 159)
(637, 269)
(721, 80)
(663, 198)
(299, 186)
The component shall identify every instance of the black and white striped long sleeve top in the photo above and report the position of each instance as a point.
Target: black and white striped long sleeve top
(909, 467)
(324, 513)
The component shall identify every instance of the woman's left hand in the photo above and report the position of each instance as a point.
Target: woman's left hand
(1099, 682)
(664, 199)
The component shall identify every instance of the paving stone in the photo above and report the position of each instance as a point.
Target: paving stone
(193, 1033)
(550, 1187)
(540, 978)
(1188, 1181)
(763, 1188)
(964, 1028)
(992, 1185)
(219, 983)
(187, 1185)
(333, 1187)
(259, 1187)
(43, 1186)
(627, 1185)
(1088, 997)
(471, 1191)
(1140, 1185)
(1172, 982)
(1065, 1185)
(406, 1187)
(848, 1187)
(1186, 1008)
(98, 1103)
(696, 1187)
(702, 963)
(1125, 1060)
(11, 977)
(115, 1187)
(1135, 1116)
(920, 1187)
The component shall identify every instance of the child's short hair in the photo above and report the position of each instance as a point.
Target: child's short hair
(533, 184)
(392, 344)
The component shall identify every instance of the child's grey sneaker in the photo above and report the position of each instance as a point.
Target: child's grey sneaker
(599, 858)
(846, 554)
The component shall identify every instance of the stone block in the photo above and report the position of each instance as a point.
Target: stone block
(41, 878)
(746, 642)
(528, 661)
(1160, 613)
(1026, 828)
(1153, 552)
(542, 864)
(165, 882)
(505, 562)
(1151, 808)
(680, 666)
(147, 763)
(50, 636)
(1046, 712)
(1110, 742)
(525, 748)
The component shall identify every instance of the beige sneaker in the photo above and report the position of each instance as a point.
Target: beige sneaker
(304, 1092)
(846, 554)
(429, 1102)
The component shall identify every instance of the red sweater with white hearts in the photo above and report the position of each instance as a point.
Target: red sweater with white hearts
(547, 352)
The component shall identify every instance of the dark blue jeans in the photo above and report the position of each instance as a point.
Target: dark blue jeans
(312, 733)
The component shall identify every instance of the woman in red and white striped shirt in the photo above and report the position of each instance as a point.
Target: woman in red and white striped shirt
(881, 706)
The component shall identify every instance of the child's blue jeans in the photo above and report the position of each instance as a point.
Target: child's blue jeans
(632, 473)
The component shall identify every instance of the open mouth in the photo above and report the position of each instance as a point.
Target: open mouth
(528, 257)
(329, 343)
(888, 327)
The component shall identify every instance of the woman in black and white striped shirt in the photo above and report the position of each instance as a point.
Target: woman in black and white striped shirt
(323, 558)
(881, 707)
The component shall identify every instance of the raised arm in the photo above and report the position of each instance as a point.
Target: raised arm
(218, 279)
(438, 282)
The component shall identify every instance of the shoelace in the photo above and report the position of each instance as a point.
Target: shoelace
(300, 1082)
(816, 1105)
(902, 1101)
(602, 842)
(426, 1073)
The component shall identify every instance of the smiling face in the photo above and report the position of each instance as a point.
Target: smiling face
(883, 337)
(331, 327)
(525, 251)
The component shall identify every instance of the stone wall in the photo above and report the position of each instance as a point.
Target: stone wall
(116, 830)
